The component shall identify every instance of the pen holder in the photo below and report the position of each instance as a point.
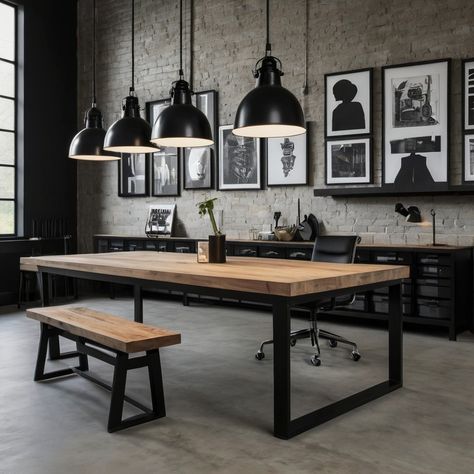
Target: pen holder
(217, 248)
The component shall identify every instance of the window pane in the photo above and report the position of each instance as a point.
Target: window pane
(7, 32)
(7, 79)
(7, 148)
(7, 217)
(7, 115)
(7, 182)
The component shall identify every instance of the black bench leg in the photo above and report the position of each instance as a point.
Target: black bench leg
(156, 383)
(118, 393)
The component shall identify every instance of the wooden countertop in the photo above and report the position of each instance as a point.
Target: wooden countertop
(245, 274)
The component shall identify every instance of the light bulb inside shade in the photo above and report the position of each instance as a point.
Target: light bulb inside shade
(94, 157)
(184, 142)
(269, 131)
(132, 149)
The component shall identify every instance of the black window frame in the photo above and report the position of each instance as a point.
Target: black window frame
(14, 62)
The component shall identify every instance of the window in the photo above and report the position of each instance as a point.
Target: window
(8, 102)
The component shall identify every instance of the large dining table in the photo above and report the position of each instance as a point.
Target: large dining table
(282, 284)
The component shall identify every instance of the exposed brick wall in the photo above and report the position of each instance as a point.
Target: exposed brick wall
(228, 39)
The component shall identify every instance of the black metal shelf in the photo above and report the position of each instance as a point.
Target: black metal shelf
(384, 191)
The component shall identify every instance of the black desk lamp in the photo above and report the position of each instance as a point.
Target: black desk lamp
(412, 214)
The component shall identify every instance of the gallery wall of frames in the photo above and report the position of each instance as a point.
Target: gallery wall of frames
(415, 132)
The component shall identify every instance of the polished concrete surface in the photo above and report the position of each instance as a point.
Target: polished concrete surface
(219, 403)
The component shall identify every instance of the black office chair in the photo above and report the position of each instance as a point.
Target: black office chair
(334, 249)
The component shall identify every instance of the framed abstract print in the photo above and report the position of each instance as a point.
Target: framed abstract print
(165, 172)
(415, 125)
(468, 94)
(133, 175)
(239, 161)
(348, 98)
(349, 161)
(468, 158)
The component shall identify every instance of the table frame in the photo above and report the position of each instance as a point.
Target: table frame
(284, 426)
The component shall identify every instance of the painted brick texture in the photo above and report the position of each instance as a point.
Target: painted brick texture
(228, 39)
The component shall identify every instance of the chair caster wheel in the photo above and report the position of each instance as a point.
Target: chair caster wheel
(293, 342)
(259, 355)
(316, 361)
(332, 343)
(355, 356)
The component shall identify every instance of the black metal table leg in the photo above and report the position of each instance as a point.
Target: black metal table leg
(118, 393)
(138, 303)
(395, 335)
(156, 383)
(281, 369)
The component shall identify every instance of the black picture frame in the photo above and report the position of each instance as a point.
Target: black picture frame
(210, 152)
(259, 161)
(271, 182)
(465, 102)
(128, 177)
(344, 181)
(357, 75)
(170, 162)
(419, 138)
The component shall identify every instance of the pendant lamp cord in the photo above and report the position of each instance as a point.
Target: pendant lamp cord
(133, 47)
(94, 100)
(268, 46)
(181, 73)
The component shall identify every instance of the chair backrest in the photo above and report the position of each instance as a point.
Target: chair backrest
(335, 248)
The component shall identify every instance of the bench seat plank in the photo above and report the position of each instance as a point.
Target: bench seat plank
(111, 331)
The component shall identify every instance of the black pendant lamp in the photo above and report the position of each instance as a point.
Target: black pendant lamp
(88, 143)
(181, 124)
(131, 133)
(269, 110)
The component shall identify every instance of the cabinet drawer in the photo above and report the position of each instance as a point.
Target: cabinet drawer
(151, 245)
(434, 259)
(271, 252)
(299, 253)
(116, 246)
(435, 271)
(102, 246)
(246, 251)
(362, 256)
(399, 258)
(184, 247)
(432, 291)
(438, 309)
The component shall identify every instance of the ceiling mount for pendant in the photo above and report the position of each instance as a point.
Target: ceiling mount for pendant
(131, 133)
(269, 110)
(181, 124)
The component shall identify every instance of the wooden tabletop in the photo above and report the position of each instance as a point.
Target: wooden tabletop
(246, 274)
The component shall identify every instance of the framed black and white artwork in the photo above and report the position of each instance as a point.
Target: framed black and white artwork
(468, 158)
(239, 161)
(349, 161)
(468, 94)
(348, 97)
(287, 160)
(198, 163)
(415, 123)
(133, 175)
(165, 172)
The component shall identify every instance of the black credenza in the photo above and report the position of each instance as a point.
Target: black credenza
(439, 292)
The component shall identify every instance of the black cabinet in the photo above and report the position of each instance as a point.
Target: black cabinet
(438, 293)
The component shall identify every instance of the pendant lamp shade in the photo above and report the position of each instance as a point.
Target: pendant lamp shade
(88, 143)
(131, 133)
(181, 124)
(269, 110)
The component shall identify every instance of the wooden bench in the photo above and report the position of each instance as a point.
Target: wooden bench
(94, 331)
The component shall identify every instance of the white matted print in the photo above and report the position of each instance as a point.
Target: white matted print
(468, 94)
(349, 103)
(468, 158)
(348, 161)
(239, 161)
(287, 160)
(416, 105)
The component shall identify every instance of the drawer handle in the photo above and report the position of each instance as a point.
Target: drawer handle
(297, 254)
(271, 252)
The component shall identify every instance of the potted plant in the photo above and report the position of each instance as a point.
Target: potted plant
(216, 241)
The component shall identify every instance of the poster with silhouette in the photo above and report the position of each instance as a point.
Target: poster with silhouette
(415, 117)
(348, 161)
(287, 160)
(239, 161)
(133, 175)
(348, 103)
(468, 94)
(468, 158)
(165, 172)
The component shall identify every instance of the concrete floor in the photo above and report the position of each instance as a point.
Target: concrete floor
(219, 403)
